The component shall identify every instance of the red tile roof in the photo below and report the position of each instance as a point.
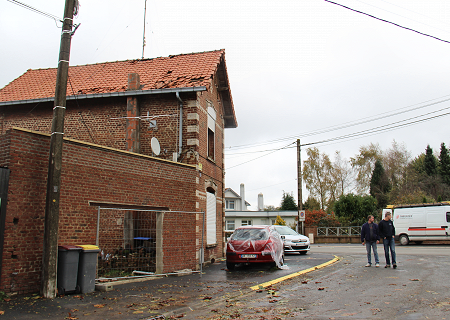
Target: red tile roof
(185, 70)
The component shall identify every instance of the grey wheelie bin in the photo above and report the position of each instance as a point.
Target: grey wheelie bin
(68, 260)
(87, 268)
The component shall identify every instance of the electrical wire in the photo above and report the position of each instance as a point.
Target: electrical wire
(387, 21)
(45, 14)
(81, 115)
(346, 125)
(369, 4)
(285, 147)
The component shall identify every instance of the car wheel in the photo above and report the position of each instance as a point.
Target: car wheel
(404, 240)
(303, 252)
(230, 266)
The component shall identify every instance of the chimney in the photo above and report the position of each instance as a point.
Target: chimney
(260, 202)
(242, 194)
(132, 123)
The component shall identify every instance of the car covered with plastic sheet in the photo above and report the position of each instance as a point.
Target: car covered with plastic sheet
(255, 244)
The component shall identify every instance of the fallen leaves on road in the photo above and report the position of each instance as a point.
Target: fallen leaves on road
(99, 305)
(414, 279)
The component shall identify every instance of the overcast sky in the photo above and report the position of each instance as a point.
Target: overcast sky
(307, 69)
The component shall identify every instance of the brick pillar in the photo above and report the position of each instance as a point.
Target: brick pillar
(133, 124)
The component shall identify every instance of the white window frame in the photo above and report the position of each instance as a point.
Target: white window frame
(246, 223)
(229, 223)
(230, 204)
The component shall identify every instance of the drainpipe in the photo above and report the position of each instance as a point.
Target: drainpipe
(180, 129)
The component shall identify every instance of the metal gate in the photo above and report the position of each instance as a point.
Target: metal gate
(131, 240)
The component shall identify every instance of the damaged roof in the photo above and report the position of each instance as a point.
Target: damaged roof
(177, 71)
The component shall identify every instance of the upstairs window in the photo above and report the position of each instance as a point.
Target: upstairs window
(246, 223)
(229, 204)
(211, 130)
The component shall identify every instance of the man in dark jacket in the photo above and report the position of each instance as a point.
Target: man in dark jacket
(370, 237)
(387, 233)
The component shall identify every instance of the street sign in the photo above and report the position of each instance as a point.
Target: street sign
(301, 215)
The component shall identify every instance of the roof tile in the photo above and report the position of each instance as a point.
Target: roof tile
(177, 71)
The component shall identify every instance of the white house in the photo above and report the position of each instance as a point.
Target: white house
(236, 213)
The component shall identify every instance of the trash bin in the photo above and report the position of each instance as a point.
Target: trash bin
(87, 268)
(68, 260)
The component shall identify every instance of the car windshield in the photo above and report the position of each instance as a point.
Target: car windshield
(250, 234)
(284, 231)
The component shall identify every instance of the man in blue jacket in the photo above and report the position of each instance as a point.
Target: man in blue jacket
(370, 237)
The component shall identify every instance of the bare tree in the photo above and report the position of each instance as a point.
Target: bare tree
(364, 163)
(317, 172)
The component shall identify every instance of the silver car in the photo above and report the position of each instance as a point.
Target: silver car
(293, 241)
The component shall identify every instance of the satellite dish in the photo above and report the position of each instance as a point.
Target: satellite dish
(156, 148)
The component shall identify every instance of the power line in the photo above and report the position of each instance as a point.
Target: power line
(45, 14)
(359, 134)
(285, 147)
(387, 21)
(350, 124)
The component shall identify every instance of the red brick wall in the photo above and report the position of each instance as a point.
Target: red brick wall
(92, 120)
(88, 173)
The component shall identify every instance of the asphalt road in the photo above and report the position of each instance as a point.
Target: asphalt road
(168, 296)
(417, 289)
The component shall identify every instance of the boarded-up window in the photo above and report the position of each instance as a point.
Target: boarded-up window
(211, 218)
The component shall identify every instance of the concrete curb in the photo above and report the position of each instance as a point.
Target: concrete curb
(293, 275)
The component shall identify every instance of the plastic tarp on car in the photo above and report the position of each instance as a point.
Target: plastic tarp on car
(264, 240)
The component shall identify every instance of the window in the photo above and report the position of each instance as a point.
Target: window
(229, 204)
(229, 225)
(211, 130)
(273, 221)
(448, 216)
(246, 223)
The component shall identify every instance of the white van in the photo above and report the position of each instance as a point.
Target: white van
(420, 222)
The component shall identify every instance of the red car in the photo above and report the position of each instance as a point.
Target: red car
(255, 244)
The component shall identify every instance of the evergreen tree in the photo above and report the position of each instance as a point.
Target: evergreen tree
(430, 162)
(379, 185)
(444, 164)
(288, 202)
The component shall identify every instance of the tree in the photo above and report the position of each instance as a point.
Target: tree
(320, 218)
(395, 161)
(288, 202)
(353, 209)
(342, 178)
(311, 204)
(430, 162)
(316, 174)
(380, 185)
(444, 165)
(270, 208)
(280, 221)
(363, 164)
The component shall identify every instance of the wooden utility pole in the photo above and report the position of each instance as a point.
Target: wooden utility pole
(299, 186)
(50, 250)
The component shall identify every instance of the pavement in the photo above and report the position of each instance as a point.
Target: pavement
(168, 297)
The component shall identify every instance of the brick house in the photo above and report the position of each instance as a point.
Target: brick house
(142, 138)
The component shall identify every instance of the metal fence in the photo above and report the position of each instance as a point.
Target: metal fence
(339, 231)
(132, 240)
